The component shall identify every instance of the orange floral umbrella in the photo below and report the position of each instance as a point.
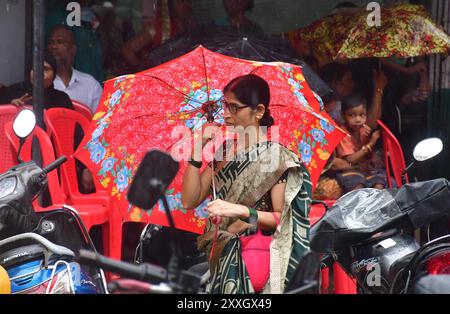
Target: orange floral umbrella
(406, 31)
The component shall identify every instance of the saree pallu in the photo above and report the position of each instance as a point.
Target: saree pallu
(245, 180)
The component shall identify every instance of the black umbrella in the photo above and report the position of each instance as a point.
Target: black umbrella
(227, 42)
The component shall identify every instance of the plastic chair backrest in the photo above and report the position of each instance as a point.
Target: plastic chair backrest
(8, 157)
(83, 109)
(393, 156)
(47, 153)
(61, 123)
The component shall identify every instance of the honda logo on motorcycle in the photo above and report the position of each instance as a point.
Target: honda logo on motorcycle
(10, 258)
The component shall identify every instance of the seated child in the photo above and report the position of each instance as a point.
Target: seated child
(366, 169)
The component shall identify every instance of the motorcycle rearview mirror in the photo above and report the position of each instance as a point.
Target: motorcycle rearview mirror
(23, 126)
(425, 150)
(428, 149)
(155, 173)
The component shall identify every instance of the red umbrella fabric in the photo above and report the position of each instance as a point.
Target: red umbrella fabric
(147, 110)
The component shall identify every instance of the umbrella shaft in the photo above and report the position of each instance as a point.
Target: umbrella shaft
(213, 181)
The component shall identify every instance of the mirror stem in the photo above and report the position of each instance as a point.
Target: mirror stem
(168, 213)
(405, 171)
(173, 266)
(21, 142)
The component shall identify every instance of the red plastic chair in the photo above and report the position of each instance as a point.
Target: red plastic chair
(343, 284)
(316, 212)
(7, 156)
(83, 109)
(58, 198)
(61, 124)
(393, 156)
(56, 194)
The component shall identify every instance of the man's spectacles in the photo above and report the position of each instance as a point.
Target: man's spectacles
(233, 108)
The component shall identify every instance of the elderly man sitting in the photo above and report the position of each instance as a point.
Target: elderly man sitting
(80, 86)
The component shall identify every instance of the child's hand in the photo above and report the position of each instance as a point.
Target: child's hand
(22, 101)
(366, 130)
(380, 80)
(375, 137)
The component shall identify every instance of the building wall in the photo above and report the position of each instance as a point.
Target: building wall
(12, 39)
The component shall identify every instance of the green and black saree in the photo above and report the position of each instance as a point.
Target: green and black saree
(247, 180)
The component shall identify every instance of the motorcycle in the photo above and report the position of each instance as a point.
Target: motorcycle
(37, 249)
(152, 178)
(370, 232)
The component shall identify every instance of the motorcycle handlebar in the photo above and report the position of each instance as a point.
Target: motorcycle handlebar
(54, 165)
(144, 272)
(327, 261)
(314, 202)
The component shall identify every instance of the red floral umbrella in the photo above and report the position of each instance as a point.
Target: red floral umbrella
(140, 112)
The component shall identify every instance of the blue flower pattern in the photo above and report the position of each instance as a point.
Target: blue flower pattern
(108, 165)
(99, 131)
(123, 179)
(200, 211)
(294, 84)
(319, 99)
(197, 100)
(318, 135)
(326, 126)
(97, 152)
(115, 98)
(306, 152)
(174, 202)
(301, 98)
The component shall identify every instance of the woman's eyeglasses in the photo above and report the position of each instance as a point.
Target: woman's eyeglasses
(233, 108)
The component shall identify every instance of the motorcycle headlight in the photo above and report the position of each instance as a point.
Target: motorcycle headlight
(7, 186)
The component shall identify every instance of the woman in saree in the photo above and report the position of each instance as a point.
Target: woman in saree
(251, 195)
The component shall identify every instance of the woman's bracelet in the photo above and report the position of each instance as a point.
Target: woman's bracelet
(379, 90)
(253, 217)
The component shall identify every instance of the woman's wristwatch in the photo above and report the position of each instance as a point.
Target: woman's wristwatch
(196, 164)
